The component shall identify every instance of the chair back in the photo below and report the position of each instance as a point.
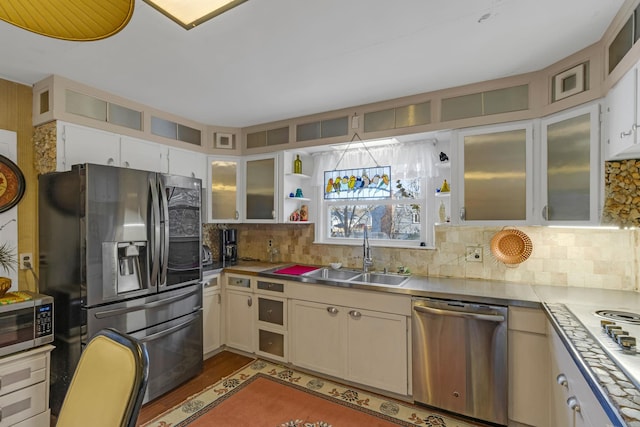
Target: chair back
(109, 383)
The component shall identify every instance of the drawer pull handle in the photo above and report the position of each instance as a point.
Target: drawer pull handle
(249, 301)
(355, 314)
(573, 404)
(14, 377)
(562, 380)
(332, 310)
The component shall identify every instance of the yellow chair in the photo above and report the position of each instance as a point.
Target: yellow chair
(109, 383)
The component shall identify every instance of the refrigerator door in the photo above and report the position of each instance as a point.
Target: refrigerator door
(118, 231)
(181, 226)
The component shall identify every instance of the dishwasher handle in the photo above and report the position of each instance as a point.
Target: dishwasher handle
(465, 314)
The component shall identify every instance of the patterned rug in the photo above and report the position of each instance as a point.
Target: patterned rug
(270, 395)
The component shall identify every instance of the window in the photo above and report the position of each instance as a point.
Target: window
(403, 218)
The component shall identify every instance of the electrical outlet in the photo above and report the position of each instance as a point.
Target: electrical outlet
(26, 261)
(473, 253)
(270, 243)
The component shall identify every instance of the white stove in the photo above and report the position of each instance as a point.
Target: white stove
(617, 331)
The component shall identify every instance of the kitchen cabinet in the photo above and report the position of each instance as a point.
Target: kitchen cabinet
(622, 118)
(260, 188)
(79, 144)
(573, 404)
(494, 175)
(240, 319)
(225, 177)
(272, 320)
(140, 154)
(211, 314)
(570, 167)
(528, 367)
(24, 393)
(186, 163)
(364, 340)
(291, 202)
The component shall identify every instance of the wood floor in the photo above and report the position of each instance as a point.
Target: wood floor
(216, 367)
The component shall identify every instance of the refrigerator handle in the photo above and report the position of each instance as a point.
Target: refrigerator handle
(164, 252)
(155, 231)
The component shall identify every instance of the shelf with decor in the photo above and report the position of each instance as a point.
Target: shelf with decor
(295, 187)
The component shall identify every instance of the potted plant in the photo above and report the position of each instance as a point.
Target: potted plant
(8, 262)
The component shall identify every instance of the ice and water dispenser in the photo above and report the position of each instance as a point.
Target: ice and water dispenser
(125, 267)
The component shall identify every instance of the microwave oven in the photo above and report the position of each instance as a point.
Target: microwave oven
(26, 324)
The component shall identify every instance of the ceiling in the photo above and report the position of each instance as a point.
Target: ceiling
(268, 60)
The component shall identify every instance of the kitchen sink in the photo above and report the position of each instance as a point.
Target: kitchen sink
(381, 279)
(331, 274)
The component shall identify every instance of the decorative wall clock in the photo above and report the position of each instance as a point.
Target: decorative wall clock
(12, 184)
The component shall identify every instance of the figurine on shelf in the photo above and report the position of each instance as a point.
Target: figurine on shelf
(304, 213)
(443, 157)
(445, 187)
(295, 216)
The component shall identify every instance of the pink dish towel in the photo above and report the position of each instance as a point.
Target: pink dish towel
(295, 270)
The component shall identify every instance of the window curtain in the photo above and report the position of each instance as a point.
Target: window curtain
(407, 160)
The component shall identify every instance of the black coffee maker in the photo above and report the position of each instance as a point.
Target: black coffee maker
(229, 246)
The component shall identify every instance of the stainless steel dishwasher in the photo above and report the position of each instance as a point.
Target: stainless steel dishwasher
(460, 358)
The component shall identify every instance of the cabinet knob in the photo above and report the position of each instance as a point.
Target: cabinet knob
(573, 404)
(562, 380)
(463, 214)
(249, 301)
(126, 164)
(237, 214)
(332, 310)
(355, 314)
(110, 161)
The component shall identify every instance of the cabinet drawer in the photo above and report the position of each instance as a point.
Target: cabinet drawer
(22, 373)
(271, 343)
(239, 282)
(271, 311)
(22, 404)
(43, 419)
(270, 286)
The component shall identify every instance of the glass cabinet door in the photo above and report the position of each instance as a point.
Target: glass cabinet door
(569, 166)
(224, 190)
(496, 174)
(260, 189)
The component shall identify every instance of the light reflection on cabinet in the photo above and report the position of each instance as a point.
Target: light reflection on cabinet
(224, 177)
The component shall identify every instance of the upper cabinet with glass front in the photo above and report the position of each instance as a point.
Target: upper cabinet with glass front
(570, 172)
(224, 197)
(260, 188)
(495, 175)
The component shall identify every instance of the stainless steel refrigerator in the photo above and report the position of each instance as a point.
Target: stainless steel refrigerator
(121, 248)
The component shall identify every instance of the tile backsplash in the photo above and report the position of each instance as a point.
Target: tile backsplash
(590, 257)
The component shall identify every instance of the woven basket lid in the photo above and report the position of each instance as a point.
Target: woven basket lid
(511, 246)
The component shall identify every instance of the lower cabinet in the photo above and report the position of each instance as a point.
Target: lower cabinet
(573, 404)
(240, 320)
(528, 368)
(24, 389)
(211, 315)
(367, 347)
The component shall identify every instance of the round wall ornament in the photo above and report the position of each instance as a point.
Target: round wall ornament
(12, 184)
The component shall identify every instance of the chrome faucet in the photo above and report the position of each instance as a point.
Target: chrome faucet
(367, 261)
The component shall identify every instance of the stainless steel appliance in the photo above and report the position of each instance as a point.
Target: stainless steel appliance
(26, 324)
(229, 246)
(460, 358)
(207, 259)
(121, 248)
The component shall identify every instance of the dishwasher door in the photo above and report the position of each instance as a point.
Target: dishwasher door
(460, 358)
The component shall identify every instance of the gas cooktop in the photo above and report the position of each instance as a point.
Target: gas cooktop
(616, 330)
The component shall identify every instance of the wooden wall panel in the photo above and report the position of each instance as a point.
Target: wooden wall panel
(15, 115)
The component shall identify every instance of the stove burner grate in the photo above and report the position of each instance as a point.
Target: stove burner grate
(620, 316)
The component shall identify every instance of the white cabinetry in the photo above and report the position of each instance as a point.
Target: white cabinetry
(354, 335)
(573, 404)
(240, 319)
(211, 314)
(225, 177)
(528, 367)
(187, 163)
(24, 392)
(622, 118)
(272, 320)
(260, 188)
(140, 154)
(78, 144)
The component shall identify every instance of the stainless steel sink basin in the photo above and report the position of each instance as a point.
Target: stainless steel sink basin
(331, 274)
(380, 279)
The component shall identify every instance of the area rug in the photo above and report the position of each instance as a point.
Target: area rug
(270, 395)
